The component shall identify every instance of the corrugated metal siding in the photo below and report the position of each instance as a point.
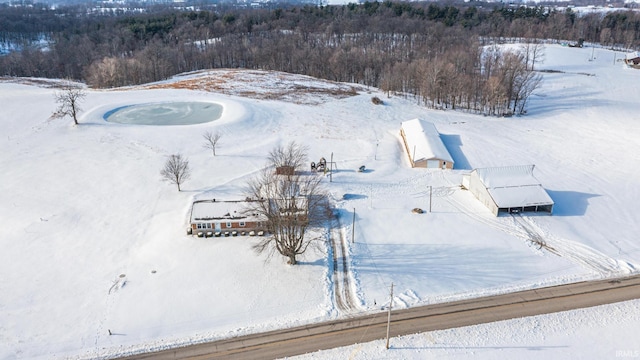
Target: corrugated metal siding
(479, 190)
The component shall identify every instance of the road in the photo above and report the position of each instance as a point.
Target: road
(331, 334)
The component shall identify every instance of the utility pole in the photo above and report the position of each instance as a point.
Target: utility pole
(430, 196)
(389, 315)
(413, 164)
(353, 227)
(331, 171)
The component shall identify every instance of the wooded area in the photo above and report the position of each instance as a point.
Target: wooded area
(428, 50)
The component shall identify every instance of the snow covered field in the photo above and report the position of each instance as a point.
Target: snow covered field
(603, 332)
(93, 241)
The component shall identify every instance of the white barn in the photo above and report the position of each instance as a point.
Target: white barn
(423, 145)
(508, 189)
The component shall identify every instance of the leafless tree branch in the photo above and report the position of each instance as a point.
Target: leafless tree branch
(294, 155)
(176, 170)
(292, 205)
(69, 99)
(212, 140)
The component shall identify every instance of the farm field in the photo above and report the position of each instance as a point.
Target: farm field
(94, 242)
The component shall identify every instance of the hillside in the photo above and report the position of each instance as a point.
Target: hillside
(94, 242)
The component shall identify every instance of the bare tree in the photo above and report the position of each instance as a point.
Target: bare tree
(293, 155)
(211, 140)
(528, 82)
(107, 73)
(292, 203)
(537, 54)
(69, 99)
(518, 80)
(176, 170)
(533, 52)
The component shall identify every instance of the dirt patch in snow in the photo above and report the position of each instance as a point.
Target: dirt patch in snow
(40, 82)
(255, 84)
(266, 85)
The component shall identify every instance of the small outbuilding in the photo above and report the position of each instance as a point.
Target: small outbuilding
(424, 146)
(508, 189)
(285, 170)
(633, 60)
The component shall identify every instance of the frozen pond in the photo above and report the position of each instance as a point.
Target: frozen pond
(170, 113)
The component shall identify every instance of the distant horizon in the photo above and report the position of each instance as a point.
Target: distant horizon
(578, 3)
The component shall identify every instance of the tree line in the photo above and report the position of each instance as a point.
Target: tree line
(428, 50)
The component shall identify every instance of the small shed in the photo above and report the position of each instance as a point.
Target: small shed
(508, 189)
(633, 60)
(424, 146)
(285, 170)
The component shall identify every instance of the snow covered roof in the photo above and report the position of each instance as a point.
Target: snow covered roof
(513, 186)
(632, 55)
(423, 138)
(210, 210)
(296, 205)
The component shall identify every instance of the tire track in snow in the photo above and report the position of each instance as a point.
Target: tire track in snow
(526, 229)
(344, 298)
(574, 251)
(494, 222)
